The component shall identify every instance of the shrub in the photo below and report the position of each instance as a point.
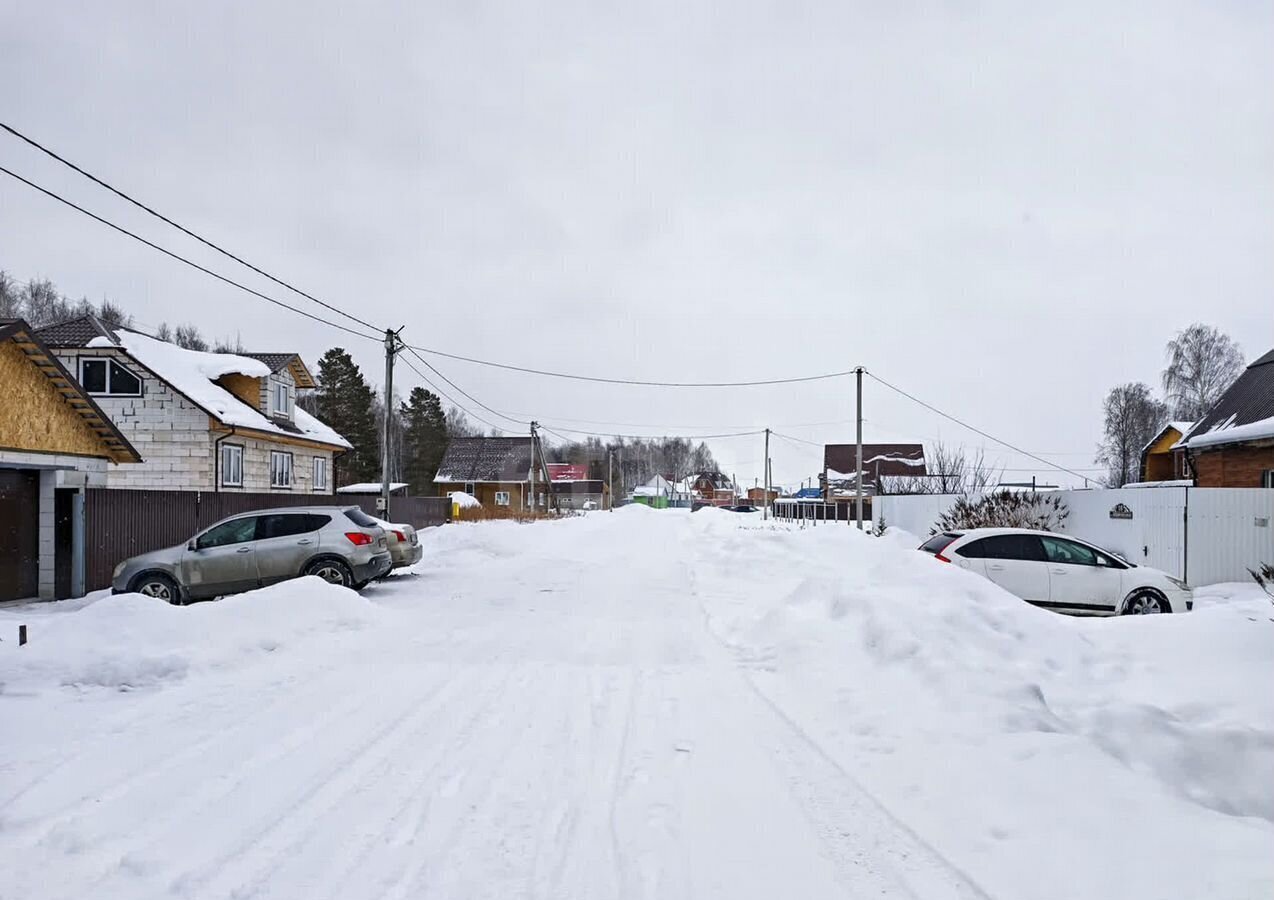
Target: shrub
(1265, 578)
(1005, 509)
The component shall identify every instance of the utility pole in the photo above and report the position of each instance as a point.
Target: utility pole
(766, 500)
(391, 350)
(610, 480)
(532, 472)
(858, 482)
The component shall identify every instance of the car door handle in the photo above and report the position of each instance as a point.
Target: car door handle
(304, 541)
(244, 550)
(1059, 571)
(996, 568)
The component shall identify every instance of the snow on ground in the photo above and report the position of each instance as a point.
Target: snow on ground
(639, 704)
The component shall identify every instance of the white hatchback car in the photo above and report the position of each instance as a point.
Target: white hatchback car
(1060, 572)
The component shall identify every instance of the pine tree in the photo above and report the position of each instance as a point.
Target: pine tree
(345, 402)
(424, 439)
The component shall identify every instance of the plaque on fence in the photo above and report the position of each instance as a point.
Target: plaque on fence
(1120, 511)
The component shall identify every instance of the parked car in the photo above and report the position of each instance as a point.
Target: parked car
(404, 544)
(341, 545)
(1061, 572)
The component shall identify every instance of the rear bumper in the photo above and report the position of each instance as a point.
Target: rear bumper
(408, 555)
(375, 567)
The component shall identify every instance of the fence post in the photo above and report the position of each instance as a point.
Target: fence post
(22, 635)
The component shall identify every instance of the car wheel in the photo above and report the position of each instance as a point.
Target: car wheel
(333, 571)
(161, 587)
(1144, 603)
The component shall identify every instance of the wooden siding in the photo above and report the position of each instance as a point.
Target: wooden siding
(246, 387)
(35, 416)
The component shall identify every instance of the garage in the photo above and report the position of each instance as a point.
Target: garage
(19, 533)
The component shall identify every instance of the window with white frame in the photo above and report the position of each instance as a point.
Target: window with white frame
(231, 465)
(280, 469)
(105, 377)
(1267, 479)
(468, 489)
(320, 474)
(280, 399)
(501, 498)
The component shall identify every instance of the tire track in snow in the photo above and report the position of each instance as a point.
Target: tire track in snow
(838, 837)
(163, 760)
(323, 793)
(376, 781)
(63, 818)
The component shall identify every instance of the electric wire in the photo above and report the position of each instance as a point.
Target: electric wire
(975, 430)
(182, 259)
(183, 229)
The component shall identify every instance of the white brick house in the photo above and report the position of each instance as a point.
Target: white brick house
(201, 421)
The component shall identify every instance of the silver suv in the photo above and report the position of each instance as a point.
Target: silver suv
(340, 544)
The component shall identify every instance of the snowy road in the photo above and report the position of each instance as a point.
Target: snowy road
(564, 711)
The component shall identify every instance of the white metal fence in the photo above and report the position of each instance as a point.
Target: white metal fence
(1203, 535)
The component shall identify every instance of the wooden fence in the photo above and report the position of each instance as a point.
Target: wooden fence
(124, 523)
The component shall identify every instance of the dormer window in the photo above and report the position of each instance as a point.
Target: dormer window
(281, 399)
(107, 378)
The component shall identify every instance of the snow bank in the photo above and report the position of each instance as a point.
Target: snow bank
(463, 500)
(987, 721)
(128, 641)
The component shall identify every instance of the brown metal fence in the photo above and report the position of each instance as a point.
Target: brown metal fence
(124, 523)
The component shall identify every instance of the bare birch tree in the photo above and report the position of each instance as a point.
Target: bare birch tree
(1202, 363)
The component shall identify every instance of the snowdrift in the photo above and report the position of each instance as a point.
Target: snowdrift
(986, 721)
(128, 641)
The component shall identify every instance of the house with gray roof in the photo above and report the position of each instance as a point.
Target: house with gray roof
(201, 421)
(498, 471)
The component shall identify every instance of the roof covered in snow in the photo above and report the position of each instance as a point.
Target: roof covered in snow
(490, 459)
(194, 373)
(1245, 411)
(1181, 429)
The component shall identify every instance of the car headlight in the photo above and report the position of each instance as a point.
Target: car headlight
(1181, 585)
(118, 569)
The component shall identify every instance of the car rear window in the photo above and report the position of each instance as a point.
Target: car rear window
(936, 543)
(360, 518)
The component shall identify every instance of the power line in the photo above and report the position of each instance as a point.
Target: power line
(964, 424)
(628, 381)
(451, 400)
(645, 437)
(788, 437)
(183, 229)
(461, 390)
(182, 259)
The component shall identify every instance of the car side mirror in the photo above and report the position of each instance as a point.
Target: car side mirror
(191, 545)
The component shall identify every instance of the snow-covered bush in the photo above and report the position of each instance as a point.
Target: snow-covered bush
(1004, 509)
(1264, 576)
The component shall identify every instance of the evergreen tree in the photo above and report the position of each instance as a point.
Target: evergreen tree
(424, 439)
(345, 402)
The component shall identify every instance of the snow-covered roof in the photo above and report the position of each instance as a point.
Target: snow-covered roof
(194, 373)
(1176, 482)
(1228, 433)
(369, 487)
(463, 500)
(1181, 428)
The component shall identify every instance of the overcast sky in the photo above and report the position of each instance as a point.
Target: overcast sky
(1002, 211)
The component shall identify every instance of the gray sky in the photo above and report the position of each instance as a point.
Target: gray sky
(1004, 211)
